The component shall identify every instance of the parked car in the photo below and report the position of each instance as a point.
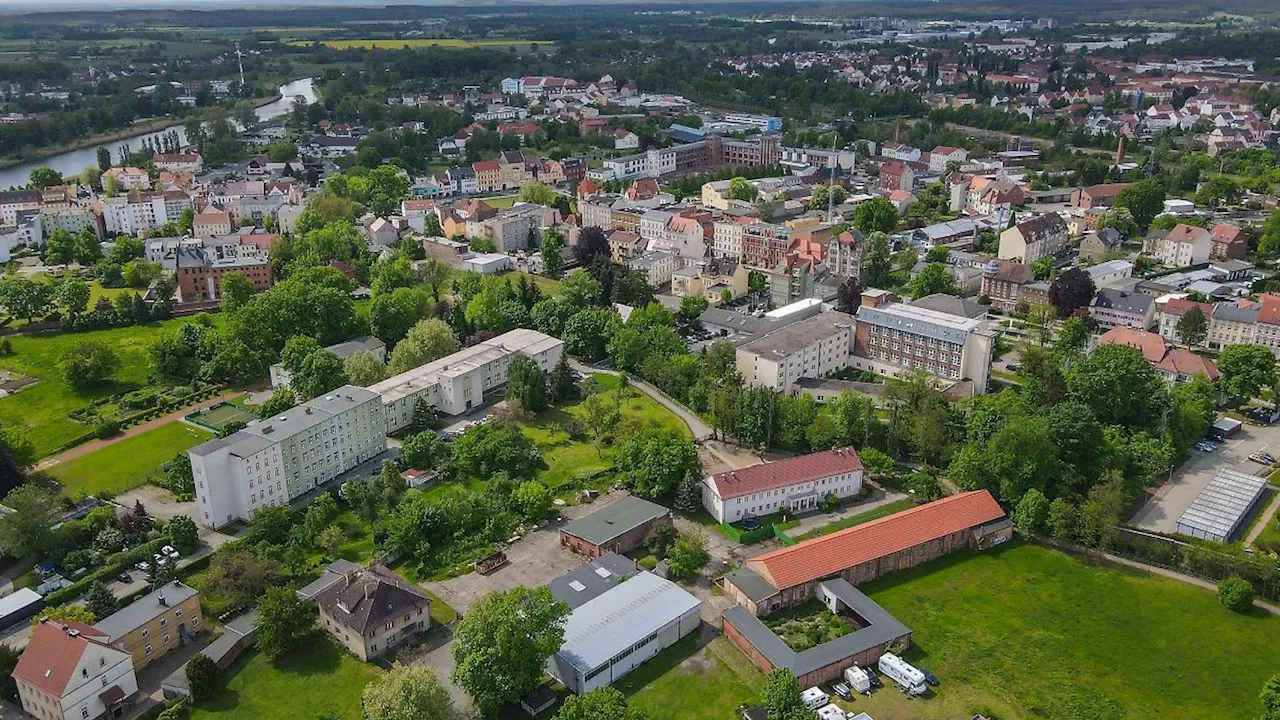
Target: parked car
(1262, 458)
(161, 560)
(842, 691)
(170, 552)
(929, 677)
(143, 566)
(874, 677)
(124, 577)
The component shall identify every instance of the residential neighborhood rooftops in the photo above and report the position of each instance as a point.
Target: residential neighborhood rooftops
(578, 587)
(621, 517)
(1126, 302)
(829, 554)
(367, 598)
(54, 651)
(783, 473)
(144, 610)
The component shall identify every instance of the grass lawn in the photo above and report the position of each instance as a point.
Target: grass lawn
(687, 683)
(868, 516)
(1027, 632)
(568, 459)
(222, 414)
(126, 464)
(43, 408)
(320, 677)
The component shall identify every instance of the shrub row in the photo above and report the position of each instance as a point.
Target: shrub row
(112, 566)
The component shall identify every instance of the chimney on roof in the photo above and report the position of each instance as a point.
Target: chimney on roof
(369, 587)
(163, 602)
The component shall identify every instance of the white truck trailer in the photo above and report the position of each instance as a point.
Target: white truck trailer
(903, 673)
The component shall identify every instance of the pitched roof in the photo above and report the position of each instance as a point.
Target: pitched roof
(367, 597)
(784, 473)
(609, 522)
(1224, 233)
(1181, 306)
(1151, 345)
(1182, 233)
(828, 555)
(52, 653)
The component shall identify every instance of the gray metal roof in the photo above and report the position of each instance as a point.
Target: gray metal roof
(1136, 304)
(1219, 509)
(1234, 313)
(797, 336)
(144, 610)
(607, 523)
(920, 321)
(332, 573)
(365, 343)
(581, 586)
(751, 584)
(881, 628)
(622, 617)
(951, 305)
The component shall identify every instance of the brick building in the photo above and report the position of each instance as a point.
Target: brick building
(618, 528)
(200, 275)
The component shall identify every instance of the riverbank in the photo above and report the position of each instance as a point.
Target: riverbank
(115, 136)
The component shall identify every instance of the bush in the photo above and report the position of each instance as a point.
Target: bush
(1236, 594)
(202, 675)
(106, 429)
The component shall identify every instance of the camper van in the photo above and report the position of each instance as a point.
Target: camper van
(814, 698)
(831, 712)
(909, 679)
(858, 680)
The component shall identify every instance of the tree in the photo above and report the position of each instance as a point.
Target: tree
(99, 600)
(533, 500)
(526, 383)
(878, 262)
(741, 189)
(1144, 200)
(364, 369)
(591, 243)
(424, 450)
(688, 554)
(561, 384)
(1071, 290)
(104, 158)
(654, 462)
(1120, 387)
(586, 334)
(25, 298)
(237, 290)
(320, 372)
(284, 621)
(537, 193)
(876, 215)
(241, 576)
(1192, 327)
(1246, 369)
(552, 250)
(183, 534)
(781, 696)
(1236, 594)
(603, 703)
(280, 400)
(933, 278)
(1270, 699)
(428, 340)
(67, 612)
(1121, 220)
(1032, 513)
(28, 529)
(73, 296)
(1041, 269)
(393, 314)
(408, 692)
(1101, 512)
(502, 645)
(1063, 519)
(493, 448)
(202, 676)
(43, 177)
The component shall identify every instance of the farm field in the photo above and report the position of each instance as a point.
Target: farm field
(126, 464)
(42, 408)
(395, 44)
(1027, 632)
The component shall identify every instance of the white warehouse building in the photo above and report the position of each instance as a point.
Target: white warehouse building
(275, 460)
(457, 383)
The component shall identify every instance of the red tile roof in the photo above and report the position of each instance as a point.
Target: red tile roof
(1184, 362)
(783, 473)
(54, 650)
(1269, 309)
(830, 554)
(486, 166)
(1182, 233)
(1151, 345)
(1180, 306)
(1223, 233)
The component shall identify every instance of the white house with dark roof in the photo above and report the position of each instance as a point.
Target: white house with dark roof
(795, 484)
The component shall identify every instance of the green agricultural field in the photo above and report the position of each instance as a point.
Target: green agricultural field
(1027, 632)
(42, 409)
(126, 464)
(394, 44)
(321, 676)
(568, 459)
(684, 682)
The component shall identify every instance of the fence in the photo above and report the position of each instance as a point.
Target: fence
(1198, 561)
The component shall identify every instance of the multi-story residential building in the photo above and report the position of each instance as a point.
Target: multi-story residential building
(796, 484)
(1097, 196)
(1173, 312)
(139, 212)
(1233, 324)
(511, 170)
(370, 610)
(200, 273)
(896, 176)
(1182, 246)
(893, 336)
(710, 279)
(1267, 331)
(128, 178)
(69, 671)
(1175, 365)
(1097, 244)
(658, 266)
(457, 383)
(462, 181)
(764, 244)
(844, 254)
(798, 277)
(675, 233)
(155, 624)
(14, 201)
(488, 174)
(941, 155)
(1229, 242)
(72, 220)
(597, 211)
(1002, 282)
(513, 228)
(811, 348)
(176, 162)
(1119, 308)
(210, 222)
(726, 238)
(277, 459)
(1041, 236)
(763, 150)
(898, 151)
(625, 245)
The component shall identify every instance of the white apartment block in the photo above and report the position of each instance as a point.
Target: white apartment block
(811, 348)
(1232, 324)
(275, 460)
(1182, 246)
(795, 484)
(726, 240)
(457, 383)
(138, 213)
(892, 337)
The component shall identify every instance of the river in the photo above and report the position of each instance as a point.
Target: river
(71, 163)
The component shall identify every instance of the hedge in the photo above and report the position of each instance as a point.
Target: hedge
(114, 565)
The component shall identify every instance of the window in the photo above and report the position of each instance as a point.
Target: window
(178, 612)
(146, 632)
(84, 712)
(164, 622)
(166, 638)
(147, 650)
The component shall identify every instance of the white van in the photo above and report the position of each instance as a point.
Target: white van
(814, 698)
(903, 673)
(858, 679)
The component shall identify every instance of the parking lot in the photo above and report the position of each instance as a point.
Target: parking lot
(1167, 501)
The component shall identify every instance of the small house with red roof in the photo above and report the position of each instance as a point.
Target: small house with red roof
(795, 484)
(1229, 242)
(69, 671)
(1174, 364)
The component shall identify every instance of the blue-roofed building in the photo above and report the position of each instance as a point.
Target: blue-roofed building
(684, 133)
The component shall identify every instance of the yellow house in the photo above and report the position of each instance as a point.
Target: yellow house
(716, 194)
(710, 280)
(369, 610)
(158, 622)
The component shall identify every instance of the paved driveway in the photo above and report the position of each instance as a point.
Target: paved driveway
(1166, 502)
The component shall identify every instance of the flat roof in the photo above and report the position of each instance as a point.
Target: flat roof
(144, 610)
(797, 336)
(530, 342)
(622, 617)
(18, 600)
(1219, 509)
(262, 434)
(920, 321)
(581, 586)
(609, 522)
